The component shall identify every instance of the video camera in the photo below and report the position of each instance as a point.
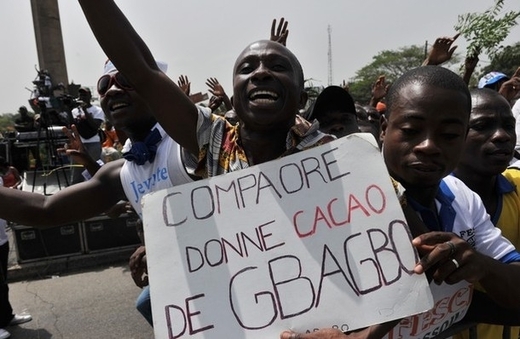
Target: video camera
(70, 101)
(51, 105)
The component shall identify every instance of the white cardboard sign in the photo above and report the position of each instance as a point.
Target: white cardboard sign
(316, 239)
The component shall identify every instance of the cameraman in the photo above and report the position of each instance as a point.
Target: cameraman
(88, 119)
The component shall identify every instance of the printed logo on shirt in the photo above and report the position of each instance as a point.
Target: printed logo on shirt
(148, 185)
(468, 236)
(452, 302)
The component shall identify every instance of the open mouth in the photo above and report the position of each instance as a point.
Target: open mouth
(263, 97)
(118, 105)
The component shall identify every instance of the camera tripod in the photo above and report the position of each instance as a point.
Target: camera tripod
(47, 135)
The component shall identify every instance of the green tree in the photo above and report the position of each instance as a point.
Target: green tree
(486, 31)
(7, 122)
(505, 61)
(392, 64)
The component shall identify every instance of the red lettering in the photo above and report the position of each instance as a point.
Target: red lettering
(331, 216)
(354, 204)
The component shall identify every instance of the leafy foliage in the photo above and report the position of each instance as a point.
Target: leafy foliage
(485, 31)
(392, 64)
(505, 61)
(7, 121)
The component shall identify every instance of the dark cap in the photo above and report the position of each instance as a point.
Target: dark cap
(22, 109)
(332, 98)
(84, 89)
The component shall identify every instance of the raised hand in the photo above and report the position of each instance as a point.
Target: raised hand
(469, 67)
(184, 84)
(215, 102)
(73, 147)
(511, 87)
(470, 63)
(380, 88)
(215, 87)
(279, 34)
(217, 90)
(441, 50)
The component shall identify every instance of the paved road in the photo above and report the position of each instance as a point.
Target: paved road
(93, 303)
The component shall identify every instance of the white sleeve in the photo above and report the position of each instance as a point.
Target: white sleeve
(516, 114)
(473, 222)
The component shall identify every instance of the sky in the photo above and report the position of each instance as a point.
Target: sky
(202, 38)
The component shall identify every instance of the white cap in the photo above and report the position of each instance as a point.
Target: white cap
(109, 67)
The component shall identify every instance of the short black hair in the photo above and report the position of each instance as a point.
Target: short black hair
(431, 75)
(487, 93)
(288, 53)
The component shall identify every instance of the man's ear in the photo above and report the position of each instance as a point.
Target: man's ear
(303, 99)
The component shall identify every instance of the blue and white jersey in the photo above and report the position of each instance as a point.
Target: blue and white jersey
(461, 211)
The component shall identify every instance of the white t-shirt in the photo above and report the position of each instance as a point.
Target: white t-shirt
(97, 114)
(167, 170)
(516, 114)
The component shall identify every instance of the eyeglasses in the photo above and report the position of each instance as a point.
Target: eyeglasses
(107, 80)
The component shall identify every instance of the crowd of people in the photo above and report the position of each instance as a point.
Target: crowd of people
(449, 151)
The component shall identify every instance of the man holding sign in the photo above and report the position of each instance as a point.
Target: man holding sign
(307, 241)
(423, 136)
(268, 92)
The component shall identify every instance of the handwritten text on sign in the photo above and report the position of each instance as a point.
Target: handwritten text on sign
(316, 239)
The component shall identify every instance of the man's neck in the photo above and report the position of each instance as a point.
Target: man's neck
(423, 195)
(261, 146)
(483, 185)
(139, 134)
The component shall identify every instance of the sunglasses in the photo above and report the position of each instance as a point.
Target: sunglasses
(107, 80)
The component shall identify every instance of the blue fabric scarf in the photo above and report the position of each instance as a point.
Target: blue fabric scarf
(143, 151)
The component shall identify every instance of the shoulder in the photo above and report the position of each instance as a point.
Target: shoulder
(97, 111)
(109, 173)
(512, 175)
(516, 108)
(455, 184)
(463, 195)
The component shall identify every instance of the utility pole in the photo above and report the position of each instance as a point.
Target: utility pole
(49, 40)
(329, 30)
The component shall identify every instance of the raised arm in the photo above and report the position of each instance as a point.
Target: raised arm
(184, 84)
(469, 67)
(281, 33)
(511, 87)
(125, 48)
(441, 51)
(77, 202)
(379, 90)
(217, 90)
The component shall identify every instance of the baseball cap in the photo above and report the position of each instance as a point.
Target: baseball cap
(333, 98)
(491, 78)
(110, 67)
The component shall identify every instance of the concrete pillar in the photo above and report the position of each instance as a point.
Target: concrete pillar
(49, 40)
